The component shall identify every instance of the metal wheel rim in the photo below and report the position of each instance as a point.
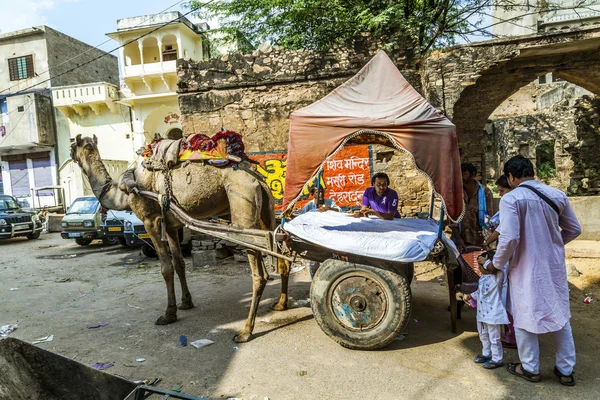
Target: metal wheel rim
(358, 302)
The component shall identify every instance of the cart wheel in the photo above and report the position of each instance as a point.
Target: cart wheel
(359, 306)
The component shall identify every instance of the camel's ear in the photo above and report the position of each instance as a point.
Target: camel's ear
(95, 139)
(78, 140)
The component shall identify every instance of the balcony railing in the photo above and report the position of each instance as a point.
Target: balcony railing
(91, 93)
(156, 68)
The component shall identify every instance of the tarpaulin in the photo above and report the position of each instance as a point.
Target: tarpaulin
(377, 99)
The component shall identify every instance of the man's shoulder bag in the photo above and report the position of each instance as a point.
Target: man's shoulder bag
(543, 197)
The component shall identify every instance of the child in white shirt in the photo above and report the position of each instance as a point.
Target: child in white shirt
(491, 315)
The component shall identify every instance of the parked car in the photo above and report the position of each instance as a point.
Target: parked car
(114, 225)
(16, 222)
(135, 235)
(83, 220)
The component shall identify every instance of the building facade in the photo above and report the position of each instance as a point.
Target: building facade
(91, 109)
(33, 61)
(534, 16)
(149, 72)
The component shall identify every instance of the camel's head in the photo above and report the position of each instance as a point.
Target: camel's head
(82, 147)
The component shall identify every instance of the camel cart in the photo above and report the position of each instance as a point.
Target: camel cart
(360, 295)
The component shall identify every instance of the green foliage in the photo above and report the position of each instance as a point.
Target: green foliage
(546, 171)
(317, 24)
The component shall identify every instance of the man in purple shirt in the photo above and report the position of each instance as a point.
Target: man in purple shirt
(379, 199)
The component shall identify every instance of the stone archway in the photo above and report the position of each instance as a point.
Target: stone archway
(470, 82)
(162, 120)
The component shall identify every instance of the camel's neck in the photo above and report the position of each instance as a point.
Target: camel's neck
(104, 187)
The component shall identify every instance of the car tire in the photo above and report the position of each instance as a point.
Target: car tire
(110, 241)
(83, 242)
(148, 251)
(360, 306)
(33, 236)
(122, 242)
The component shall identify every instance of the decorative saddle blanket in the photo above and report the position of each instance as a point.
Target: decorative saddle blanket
(197, 147)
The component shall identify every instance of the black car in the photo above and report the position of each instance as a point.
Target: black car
(16, 222)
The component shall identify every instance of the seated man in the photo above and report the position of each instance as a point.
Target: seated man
(379, 199)
(321, 204)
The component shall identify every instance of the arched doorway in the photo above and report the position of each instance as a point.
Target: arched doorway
(162, 120)
(174, 134)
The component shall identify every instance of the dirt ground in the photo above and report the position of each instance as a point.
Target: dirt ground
(51, 286)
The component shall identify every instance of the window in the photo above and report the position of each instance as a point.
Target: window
(20, 67)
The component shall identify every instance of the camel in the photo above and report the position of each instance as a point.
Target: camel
(202, 191)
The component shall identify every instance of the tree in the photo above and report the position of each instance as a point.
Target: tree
(317, 24)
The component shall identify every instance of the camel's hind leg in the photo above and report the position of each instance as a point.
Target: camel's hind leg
(153, 229)
(284, 271)
(179, 264)
(259, 281)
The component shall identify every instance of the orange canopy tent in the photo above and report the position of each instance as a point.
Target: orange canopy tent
(377, 105)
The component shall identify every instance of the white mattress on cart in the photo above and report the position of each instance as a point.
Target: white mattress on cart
(401, 240)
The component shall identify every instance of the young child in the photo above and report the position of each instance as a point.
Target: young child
(491, 315)
(508, 341)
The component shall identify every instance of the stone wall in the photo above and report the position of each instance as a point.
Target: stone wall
(411, 185)
(254, 94)
(586, 168)
(572, 124)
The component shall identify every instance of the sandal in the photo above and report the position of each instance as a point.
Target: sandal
(528, 376)
(493, 364)
(480, 359)
(508, 345)
(571, 382)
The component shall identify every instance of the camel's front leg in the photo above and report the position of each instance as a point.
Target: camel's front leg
(259, 281)
(153, 229)
(179, 264)
(284, 271)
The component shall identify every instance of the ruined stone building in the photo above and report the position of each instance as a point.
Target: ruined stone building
(551, 120)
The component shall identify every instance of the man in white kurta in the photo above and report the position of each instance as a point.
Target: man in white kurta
(532, 240)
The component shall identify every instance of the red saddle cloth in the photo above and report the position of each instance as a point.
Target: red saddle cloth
(212, 149)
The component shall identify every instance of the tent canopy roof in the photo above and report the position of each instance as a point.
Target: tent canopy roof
(378, 98)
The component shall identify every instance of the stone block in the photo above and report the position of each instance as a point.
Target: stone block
(54, 222)
(240, 257)
(200, 258)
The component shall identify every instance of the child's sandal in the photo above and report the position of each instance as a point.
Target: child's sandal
(480, 359)
(493, 364)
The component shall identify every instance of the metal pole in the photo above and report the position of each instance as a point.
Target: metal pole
(431, 205)
(441, 225)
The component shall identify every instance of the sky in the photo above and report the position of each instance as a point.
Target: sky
(85, 20)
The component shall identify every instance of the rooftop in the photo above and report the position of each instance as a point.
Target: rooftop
(35, 30)
(153, 20)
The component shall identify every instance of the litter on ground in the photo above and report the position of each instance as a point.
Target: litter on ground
(44, 339)
(6, 330)
(201, 343)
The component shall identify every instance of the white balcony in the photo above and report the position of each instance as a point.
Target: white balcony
(78, 97)
(158, 68)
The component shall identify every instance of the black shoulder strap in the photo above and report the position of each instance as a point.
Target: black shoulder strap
(543, 197)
